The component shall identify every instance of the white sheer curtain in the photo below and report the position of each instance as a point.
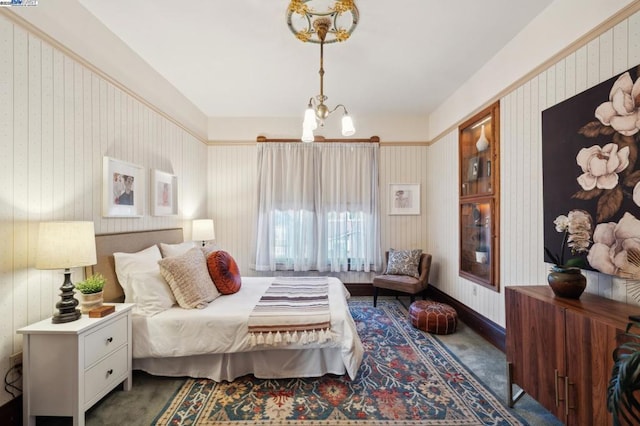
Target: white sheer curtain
(318, 207)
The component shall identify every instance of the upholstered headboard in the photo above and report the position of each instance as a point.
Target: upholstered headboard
(127, 242)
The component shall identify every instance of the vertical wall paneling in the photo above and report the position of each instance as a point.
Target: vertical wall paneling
(21, 170)
(522, 237)
(7, 208)
(34, 167)
(57, 121)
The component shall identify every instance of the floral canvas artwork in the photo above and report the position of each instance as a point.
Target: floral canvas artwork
(590, 153)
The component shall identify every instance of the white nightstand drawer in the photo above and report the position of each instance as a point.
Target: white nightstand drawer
(105, 374)
(104, 341)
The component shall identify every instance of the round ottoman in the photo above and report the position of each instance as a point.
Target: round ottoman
(433, 317)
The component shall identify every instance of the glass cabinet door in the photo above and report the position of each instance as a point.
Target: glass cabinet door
(476, 155)
(476, 238)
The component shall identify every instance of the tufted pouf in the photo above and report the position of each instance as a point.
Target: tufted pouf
(433, 317)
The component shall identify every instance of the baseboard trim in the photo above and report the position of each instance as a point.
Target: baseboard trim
(359, 289)
(11, 412)
(486, 328)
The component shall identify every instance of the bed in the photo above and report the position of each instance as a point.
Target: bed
(214, 342)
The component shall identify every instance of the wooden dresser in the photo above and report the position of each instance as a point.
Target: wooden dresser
(559, 351)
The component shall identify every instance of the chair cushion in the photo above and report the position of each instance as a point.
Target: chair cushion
(404, 262)
(403, 283)
(433, 317)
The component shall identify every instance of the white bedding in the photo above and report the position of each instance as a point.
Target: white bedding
(214, 342)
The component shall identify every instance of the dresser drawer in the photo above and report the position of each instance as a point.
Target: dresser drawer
(105, 340)
(105, 374)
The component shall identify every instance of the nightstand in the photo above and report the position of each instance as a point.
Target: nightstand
(69, 367)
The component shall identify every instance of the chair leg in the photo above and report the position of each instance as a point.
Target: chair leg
(375, 296)
(412, 298)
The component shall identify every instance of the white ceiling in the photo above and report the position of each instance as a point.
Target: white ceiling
(239, 59)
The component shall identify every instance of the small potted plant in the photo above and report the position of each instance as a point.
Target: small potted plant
(482, 253)
(91, 292)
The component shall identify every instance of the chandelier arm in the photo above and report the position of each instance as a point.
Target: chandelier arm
(338, 106)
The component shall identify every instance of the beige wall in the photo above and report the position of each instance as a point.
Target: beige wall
(521, 209)
(57, 121)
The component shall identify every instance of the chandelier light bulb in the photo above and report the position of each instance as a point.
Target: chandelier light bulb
(310, 119)
(347, 125)
(307, 134)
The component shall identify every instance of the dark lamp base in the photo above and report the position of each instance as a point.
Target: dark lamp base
(67, 311)
(60, 318)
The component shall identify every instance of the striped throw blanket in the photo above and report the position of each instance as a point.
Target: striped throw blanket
(292, 310)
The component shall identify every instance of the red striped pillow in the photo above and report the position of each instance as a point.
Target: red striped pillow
(224, 272)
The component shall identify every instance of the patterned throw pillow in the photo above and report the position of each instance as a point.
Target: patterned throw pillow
(189, 279)
(404, 262)
(224, 272)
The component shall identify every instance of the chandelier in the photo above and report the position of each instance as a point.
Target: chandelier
(328, 22)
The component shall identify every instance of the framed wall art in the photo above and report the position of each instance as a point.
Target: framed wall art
(591, 175)
(164, 193)
(123, 190)
(404, 199)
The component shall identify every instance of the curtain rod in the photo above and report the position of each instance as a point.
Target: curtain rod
(372, 139)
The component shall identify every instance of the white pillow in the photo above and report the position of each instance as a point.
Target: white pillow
(172, 250)
(151, 293)
(129, 263)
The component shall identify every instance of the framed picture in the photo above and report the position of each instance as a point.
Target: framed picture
(404, 198)
(123, 189)
(474, 168)
(164, 193)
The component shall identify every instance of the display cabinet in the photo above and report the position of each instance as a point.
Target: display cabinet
(479, 177)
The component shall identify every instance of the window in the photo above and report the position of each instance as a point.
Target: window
(318, 207)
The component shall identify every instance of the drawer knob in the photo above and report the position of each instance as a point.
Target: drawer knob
(109, 372)
(109, 339)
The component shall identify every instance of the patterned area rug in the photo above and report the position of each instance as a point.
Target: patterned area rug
(407, 377)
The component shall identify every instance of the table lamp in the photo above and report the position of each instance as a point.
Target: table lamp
(66, 245)
(202, 230)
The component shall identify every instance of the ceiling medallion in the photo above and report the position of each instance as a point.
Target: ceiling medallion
(343, 18)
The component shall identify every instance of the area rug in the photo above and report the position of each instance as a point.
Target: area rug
(407, 377)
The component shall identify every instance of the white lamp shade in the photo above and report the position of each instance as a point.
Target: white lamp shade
(347, 126)
(202, 230)
(63, 245)
(309, 122)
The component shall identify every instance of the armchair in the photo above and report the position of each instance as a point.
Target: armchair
(404, 283)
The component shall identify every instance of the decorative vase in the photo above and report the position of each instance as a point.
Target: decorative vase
(483, 142)
(567, 282)
(90, 301)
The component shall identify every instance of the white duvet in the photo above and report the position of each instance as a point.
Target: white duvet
(221, 327)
